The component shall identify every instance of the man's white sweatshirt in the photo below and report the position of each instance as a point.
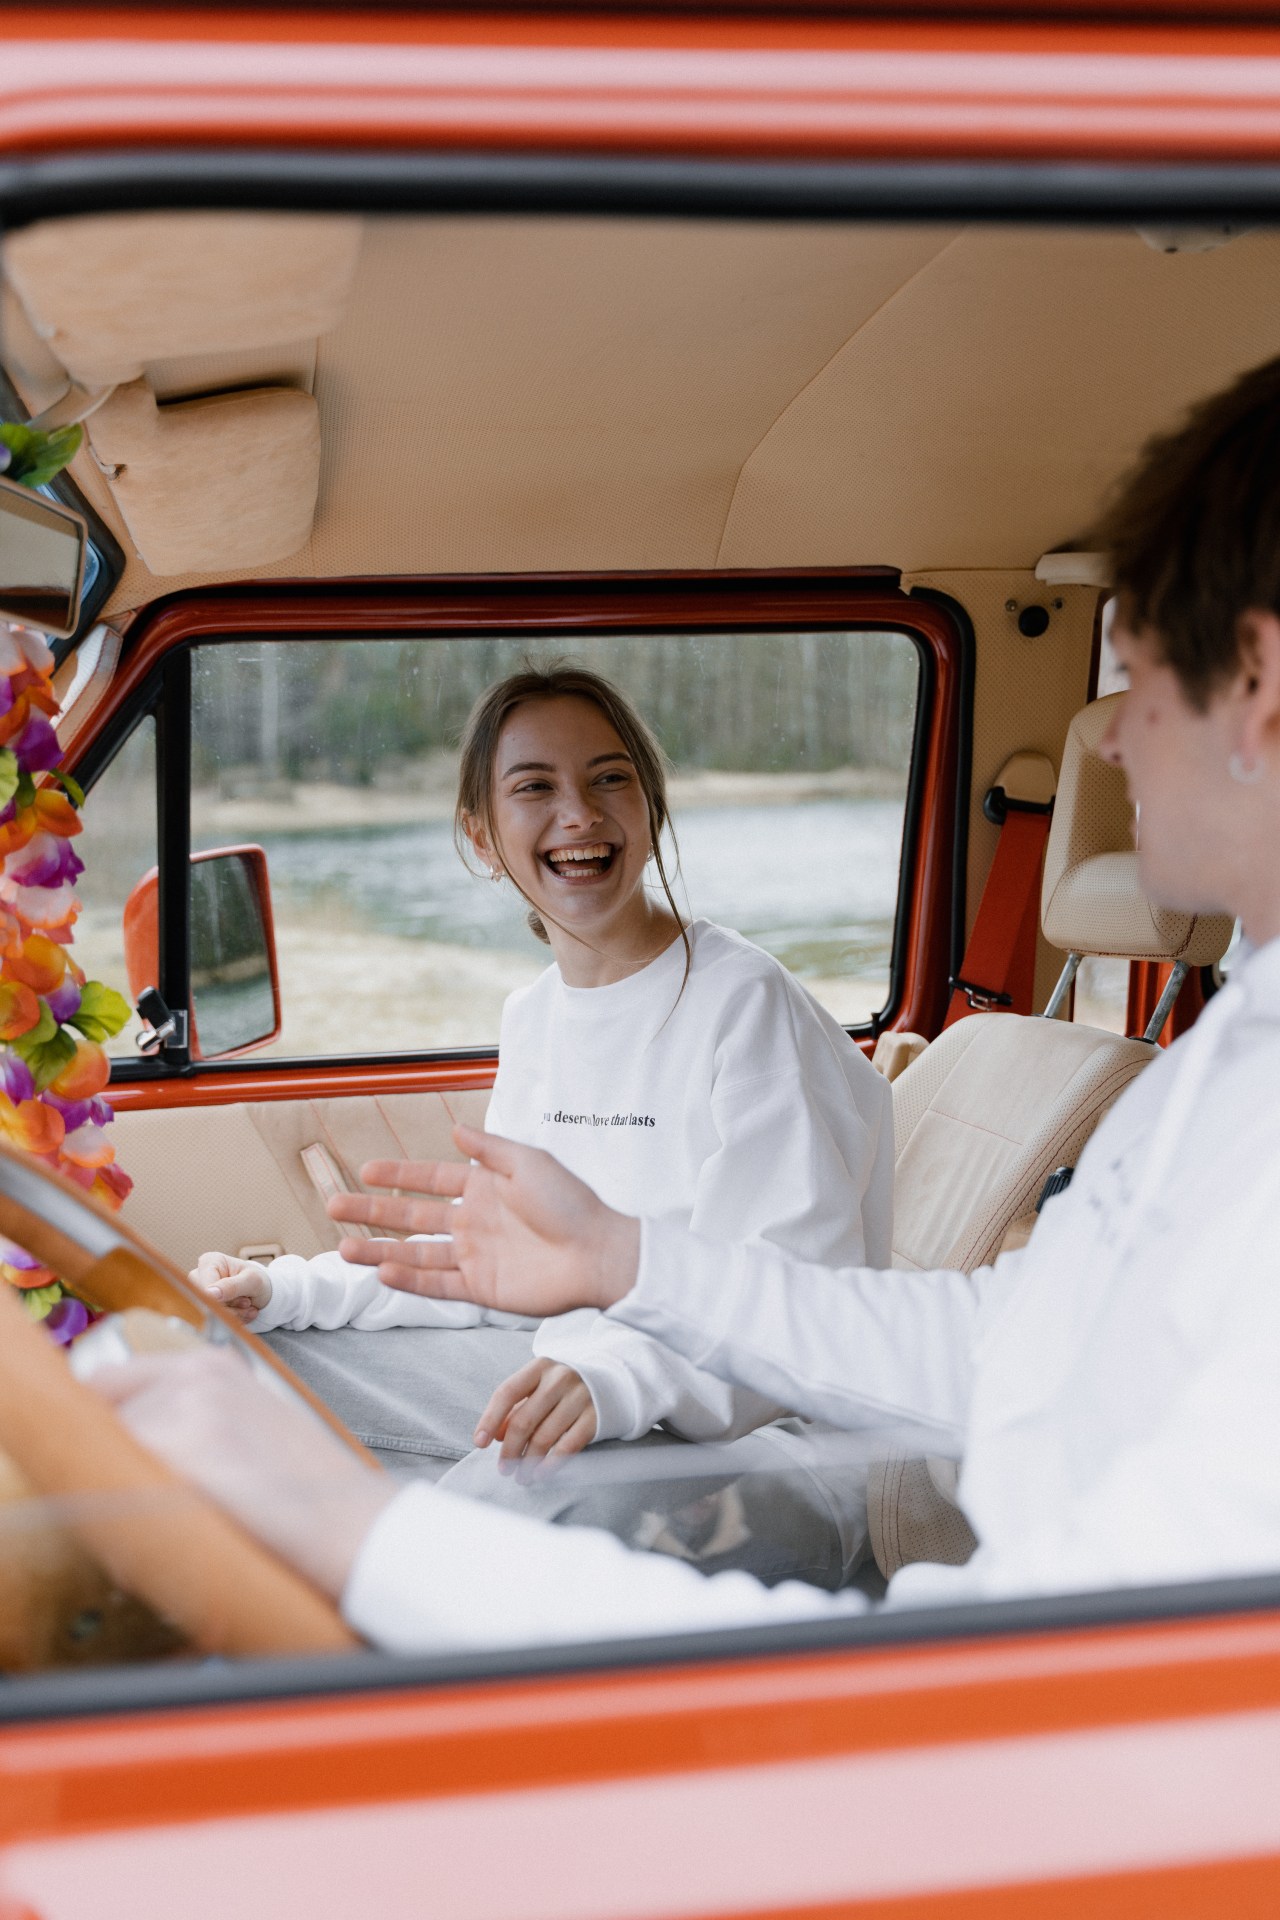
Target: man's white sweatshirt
(729, 1101)
(1112, 1386)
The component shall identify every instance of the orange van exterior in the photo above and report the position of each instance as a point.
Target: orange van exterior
(1119, 1758)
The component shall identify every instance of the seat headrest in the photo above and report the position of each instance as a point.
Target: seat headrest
(1091, 901)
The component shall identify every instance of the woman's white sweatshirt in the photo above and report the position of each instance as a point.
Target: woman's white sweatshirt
(737, 1107)
(1113, 1386)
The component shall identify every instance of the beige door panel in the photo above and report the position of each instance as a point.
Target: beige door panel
(233, 1177)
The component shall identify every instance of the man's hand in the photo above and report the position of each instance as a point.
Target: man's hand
(270, 1464)
(241, 1286)
(543, 1411)
(524, 1235)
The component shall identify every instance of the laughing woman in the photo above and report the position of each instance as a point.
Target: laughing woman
(676, 1068)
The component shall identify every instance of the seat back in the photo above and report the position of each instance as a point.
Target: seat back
(982, 1119)
(987, 1111)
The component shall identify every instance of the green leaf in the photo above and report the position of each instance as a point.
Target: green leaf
(47, 1049)
(25, 791)
(72, 788)
(102, 1012)
(9, 771)
(40, 1301)
(39, 457)
(42, 1032)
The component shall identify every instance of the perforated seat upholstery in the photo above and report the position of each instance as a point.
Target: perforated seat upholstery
(982, 1119)
(988, 1110)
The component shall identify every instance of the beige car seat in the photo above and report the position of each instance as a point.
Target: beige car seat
(987, 1112)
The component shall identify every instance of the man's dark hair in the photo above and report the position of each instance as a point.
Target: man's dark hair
(1194, 531)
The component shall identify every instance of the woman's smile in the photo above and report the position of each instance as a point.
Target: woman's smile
(578, 866)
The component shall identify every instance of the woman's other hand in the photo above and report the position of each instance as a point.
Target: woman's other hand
(523, 1235)
(542, 1413)
(241, 1286)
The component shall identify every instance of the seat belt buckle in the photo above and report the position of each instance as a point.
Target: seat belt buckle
(997, 805)
(981, 999)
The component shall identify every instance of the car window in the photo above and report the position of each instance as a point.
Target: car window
(791, 755)
(117, 843)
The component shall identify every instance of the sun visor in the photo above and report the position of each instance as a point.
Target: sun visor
(217, 484)
(111, 293)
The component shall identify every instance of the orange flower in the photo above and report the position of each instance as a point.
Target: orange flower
(12, 723)
(87, 1147)
(40, 964)
(31, 1124)
(26, 1278)
(11, 935)
(50, 812)
(112, 1186)
(19, 1010)
(36, 688)
(84, 1076)
(55, 814)
(44, 910)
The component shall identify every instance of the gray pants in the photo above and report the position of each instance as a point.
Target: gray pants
(786, 1502)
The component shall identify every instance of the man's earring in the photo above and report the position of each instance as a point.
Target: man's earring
(1246, 772)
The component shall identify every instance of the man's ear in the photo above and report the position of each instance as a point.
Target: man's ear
(1258, 683)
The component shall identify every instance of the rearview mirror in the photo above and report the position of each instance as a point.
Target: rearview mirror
(42, 549)
(235, 985)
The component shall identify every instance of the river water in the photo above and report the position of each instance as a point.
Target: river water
(814, 883)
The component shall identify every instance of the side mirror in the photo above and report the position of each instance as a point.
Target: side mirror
(42, 549)
(235, 984)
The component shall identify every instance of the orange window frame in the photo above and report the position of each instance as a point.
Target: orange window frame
(560, 605)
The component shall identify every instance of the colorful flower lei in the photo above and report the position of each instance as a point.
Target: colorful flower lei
(53, 1071)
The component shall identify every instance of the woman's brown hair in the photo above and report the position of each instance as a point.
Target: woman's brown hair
(1194, 531)
(561, 680)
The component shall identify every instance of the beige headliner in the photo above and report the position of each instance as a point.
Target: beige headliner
(572, 394)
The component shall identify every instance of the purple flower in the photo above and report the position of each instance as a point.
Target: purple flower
(81, 1113)
(66, 1319)
(64, 1002)
(75, 1113)
(46, 861)
(6, 694)
(37, 746)
(17, 1257)
(15, 1079)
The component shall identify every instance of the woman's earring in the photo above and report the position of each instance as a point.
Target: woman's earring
(495, 873)
(1247, 773)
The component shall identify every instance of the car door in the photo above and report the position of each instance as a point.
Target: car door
(323, 727)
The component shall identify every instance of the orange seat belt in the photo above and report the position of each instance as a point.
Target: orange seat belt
(999, 967)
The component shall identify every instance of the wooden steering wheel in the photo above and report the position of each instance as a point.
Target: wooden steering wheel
(157, 1537)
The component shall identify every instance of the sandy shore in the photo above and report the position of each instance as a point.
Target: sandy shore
(352, 992)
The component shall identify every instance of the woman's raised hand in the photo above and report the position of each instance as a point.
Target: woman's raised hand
(524, 1235)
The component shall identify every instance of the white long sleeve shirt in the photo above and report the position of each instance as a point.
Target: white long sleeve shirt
(737, 1106)
(1112, 1385)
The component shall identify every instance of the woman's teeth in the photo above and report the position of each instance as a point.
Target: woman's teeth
(579, 862)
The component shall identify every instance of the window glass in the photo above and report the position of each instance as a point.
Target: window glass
(117, 845)
(791, 754)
